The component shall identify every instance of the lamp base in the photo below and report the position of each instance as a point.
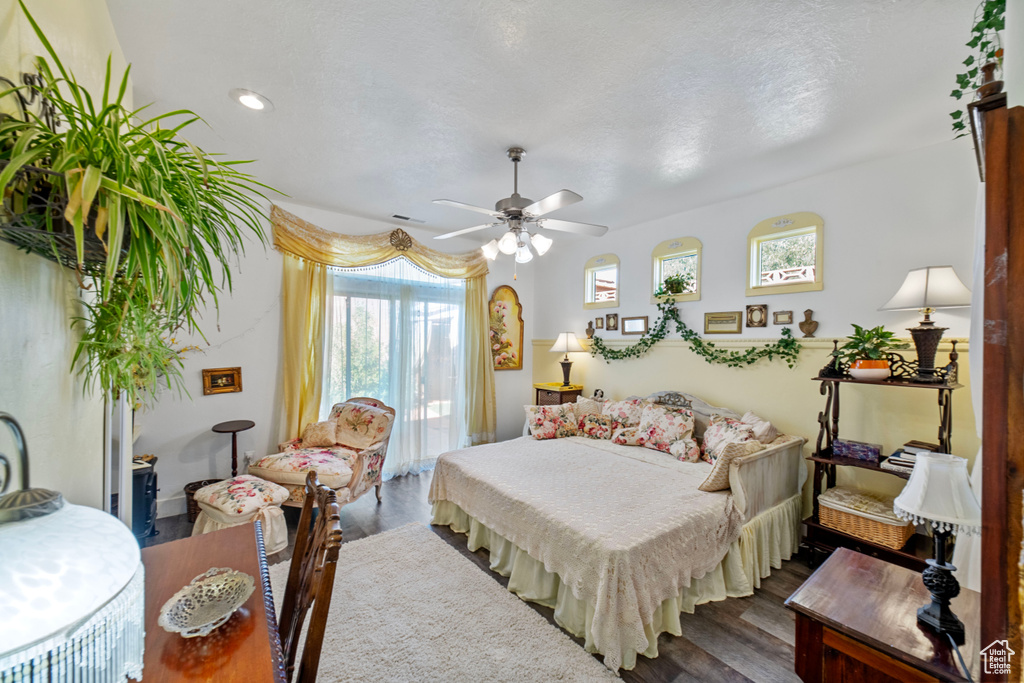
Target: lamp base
(926, 343)
(939, 580)
(566, 368)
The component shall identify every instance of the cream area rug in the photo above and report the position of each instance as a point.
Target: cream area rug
(408, 607)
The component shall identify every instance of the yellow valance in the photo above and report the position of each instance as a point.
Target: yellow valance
(295, 236)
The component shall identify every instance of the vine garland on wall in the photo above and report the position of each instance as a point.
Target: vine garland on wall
(787, 348)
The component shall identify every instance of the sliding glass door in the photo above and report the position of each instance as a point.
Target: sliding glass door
(396, 334)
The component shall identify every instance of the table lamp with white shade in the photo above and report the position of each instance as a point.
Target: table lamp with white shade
(566, 343)
(926, 289)
(939, 494)
(71, 587)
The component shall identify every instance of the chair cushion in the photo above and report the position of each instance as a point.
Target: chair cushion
(241, 496)
(361, 426)
(331, 465)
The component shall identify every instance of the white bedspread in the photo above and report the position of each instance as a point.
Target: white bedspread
(624, 527)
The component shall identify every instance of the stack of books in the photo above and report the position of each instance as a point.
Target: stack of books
(903, 460)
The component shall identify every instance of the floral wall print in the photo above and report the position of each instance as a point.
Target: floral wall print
(506, 333)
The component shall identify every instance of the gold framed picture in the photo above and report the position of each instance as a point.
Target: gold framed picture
(612, 322)
(782, 317)
(635, 325)
(757, 315)
(723, 322)
(506, 329)
(599, 323)
(222, 381)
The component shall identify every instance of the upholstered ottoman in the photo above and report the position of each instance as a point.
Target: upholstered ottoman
(241, 500)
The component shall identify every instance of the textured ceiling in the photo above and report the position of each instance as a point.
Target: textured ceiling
(644, 108)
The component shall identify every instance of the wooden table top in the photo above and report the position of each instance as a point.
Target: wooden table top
(246, 648)
(876, 603)
(233, 426)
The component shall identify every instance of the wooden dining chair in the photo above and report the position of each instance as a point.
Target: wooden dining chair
(310, 580)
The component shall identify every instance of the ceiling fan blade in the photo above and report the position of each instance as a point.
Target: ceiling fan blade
(572, 226)
(552, 202)
(464, 231)
(470, 207)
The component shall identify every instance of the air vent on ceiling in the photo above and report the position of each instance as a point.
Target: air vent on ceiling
(406, 218)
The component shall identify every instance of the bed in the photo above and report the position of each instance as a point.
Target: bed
(617, 539)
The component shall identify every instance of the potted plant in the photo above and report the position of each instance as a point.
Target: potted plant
(675, 284)
(980, 67)
(163, 219)
(866, 350)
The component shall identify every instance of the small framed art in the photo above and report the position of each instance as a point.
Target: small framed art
(723, 322)
(757, 315)
(612, 322)
(782, 317)
(635, 325)
(599, 324)
(222, 381)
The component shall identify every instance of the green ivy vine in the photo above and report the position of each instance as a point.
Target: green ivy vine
(989, 20)
(787, 348)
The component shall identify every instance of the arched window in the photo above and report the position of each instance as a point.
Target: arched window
(677, 257)
(601, 282)
(784, 254)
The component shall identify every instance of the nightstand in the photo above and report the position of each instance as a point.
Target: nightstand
(555, 393)
(856, 620)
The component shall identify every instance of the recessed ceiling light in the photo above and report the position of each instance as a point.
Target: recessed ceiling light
(250, 99)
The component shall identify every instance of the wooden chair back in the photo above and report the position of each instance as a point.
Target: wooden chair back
(310, 580)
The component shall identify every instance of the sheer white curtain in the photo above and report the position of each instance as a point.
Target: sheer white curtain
(396, 333)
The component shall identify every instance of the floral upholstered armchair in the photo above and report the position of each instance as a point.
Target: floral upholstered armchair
(347, 451)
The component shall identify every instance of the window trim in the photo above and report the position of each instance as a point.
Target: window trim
(680, 246)
(602, 261)
(774, 228)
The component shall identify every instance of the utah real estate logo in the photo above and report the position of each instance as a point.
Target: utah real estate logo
(997, 657)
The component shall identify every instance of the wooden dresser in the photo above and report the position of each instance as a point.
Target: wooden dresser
(856, 620)
(555, 393)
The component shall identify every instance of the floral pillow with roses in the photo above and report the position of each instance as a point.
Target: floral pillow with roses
(551, 422)
(723, 431)
(662, 427)
(625, 413)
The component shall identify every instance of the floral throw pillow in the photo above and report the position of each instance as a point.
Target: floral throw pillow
(626, 436)
(586, 406)
(596, 426)
(551, 422)
(320, 434)
(361, 426)
(722, 431)
(764, 431)
(685, 450)
(661, 426)
(625, 413)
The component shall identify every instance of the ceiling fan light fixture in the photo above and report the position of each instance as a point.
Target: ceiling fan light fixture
(540, 243)
(508, 243)
(490, 250)
(523, 253)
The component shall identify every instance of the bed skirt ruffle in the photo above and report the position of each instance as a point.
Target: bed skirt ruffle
(764, 542)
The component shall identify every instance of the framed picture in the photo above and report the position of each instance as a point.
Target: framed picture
(782, 317)
(636, 325)
(612, 321)
(506, 321)
(222, 381)
(757, 315)
(599, 324)
(723, 322)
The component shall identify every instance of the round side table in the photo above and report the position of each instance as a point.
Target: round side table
(233, 427)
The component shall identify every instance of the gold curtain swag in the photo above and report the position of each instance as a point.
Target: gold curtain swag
(308, 250)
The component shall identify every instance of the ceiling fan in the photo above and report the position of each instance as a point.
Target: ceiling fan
(518, 213)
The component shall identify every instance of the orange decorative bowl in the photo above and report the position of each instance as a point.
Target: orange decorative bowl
(869, 369)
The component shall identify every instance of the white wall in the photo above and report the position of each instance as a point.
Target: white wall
(882, 218)
(248, 334)
(63, 428)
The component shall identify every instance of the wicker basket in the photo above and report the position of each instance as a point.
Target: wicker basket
(884, 530)
(192, 507)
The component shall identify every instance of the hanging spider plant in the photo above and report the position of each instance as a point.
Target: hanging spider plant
(171, 218)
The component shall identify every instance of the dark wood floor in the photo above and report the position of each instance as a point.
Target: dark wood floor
(744, 639)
